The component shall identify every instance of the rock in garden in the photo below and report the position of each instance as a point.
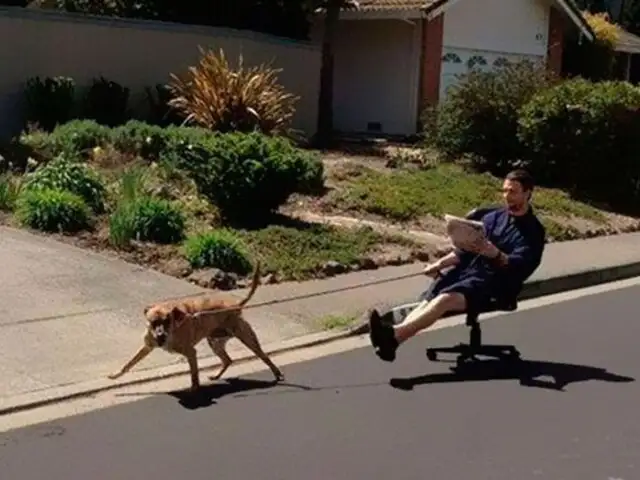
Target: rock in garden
(163, 191)
(213, 278)
(333, 268)
(178, 267)
(230, 281)
(367, 263)
(442, 251)
(269, 279)
(398, 259)
(421, 255)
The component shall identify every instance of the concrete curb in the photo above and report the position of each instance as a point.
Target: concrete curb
(560, 284)
(533, 289)
(50, 396)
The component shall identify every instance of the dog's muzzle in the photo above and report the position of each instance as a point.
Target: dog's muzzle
(160, 335)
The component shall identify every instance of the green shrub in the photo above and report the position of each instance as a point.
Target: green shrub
(70, 175)
(585, 135)
(49, 102)
(52, 210)
(77, 137)
(151, 141)
(106, 102)
(133, 185)
(122, 226)
(38, 142)
(80, 136)
(479, 116)
(139, 138)
(176, 136)
(221, 249)
(247, 176)
(146, 219)
(10, 187)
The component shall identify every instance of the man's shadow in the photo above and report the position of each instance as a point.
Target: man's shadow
(527, 372)
(208, 394)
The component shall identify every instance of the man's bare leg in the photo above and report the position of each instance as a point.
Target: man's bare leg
(387, 338)
(428, 313)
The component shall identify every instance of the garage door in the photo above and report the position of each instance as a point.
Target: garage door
(458, 61)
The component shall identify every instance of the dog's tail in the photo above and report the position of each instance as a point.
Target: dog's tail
(254, 285)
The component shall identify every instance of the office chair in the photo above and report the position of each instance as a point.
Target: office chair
(468, 352)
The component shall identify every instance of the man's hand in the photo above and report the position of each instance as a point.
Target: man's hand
(483, 247)
(432, 270)
(489, 250)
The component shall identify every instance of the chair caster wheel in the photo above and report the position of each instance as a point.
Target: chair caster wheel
(431, 355)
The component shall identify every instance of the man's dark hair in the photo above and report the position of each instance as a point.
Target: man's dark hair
(522, 177)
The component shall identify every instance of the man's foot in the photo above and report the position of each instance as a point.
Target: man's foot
(382, 337)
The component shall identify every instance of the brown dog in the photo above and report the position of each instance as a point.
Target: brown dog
(177, 326)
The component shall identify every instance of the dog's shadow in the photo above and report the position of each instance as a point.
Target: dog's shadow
(207, 395)
(527, 372)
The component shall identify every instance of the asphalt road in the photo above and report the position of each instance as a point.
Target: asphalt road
(351, 416)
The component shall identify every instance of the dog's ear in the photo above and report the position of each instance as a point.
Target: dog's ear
(146, 309)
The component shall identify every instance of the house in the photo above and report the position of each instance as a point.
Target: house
(628, 49)
(395, 57)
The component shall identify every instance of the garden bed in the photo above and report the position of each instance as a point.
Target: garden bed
(144, 207)
(401, 195)
(191, 204)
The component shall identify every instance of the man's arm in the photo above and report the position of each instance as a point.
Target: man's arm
(525, 257)
(449, 260)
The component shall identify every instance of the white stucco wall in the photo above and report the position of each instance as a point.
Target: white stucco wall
(137, 54)
(376, 75)
(516, 26)
(486, 33)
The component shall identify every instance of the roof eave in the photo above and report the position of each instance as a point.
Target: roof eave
(575, 15)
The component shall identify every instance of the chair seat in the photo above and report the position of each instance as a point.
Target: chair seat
(499, 305)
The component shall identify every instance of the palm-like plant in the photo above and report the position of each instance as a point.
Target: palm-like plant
(217, 96)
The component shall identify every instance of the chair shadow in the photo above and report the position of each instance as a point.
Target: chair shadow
(207, 395)
(527, 372)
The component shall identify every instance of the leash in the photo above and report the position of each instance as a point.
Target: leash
(311, 295)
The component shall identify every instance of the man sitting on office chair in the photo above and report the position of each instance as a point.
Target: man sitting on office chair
(494, 268)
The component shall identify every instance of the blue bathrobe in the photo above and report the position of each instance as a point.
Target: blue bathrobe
(480, 279)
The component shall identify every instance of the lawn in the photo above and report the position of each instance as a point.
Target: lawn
(410, 196)
(297, 253)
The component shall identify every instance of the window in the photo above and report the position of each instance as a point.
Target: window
(451, 58)
(476, 60)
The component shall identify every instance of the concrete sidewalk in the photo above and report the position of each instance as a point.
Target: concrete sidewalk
(71, 316)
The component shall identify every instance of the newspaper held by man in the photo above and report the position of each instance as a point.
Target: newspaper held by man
(464, 234)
